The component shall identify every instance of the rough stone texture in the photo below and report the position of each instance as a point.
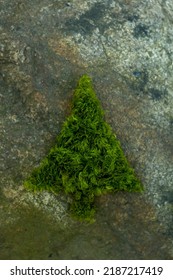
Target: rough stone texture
(126, 47)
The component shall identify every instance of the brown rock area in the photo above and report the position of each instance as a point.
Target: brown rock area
(126, 47)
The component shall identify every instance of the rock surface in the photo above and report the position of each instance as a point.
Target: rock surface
(126, 47)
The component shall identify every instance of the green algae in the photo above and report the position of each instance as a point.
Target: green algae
(87, 159)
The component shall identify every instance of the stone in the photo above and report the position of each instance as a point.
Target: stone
(126, 47)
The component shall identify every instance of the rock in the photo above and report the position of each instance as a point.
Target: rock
(126, 47)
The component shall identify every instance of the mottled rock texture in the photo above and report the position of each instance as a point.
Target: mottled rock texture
(126, 47)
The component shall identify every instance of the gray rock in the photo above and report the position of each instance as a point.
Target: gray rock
(126, 47)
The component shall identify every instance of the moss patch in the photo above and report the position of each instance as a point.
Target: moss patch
(87, 159)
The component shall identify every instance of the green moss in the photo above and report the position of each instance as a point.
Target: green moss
(87, 159)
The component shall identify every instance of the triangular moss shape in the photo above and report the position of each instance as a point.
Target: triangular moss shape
(87, 159)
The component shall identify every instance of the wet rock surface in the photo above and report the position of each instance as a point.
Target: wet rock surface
(126, 47)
